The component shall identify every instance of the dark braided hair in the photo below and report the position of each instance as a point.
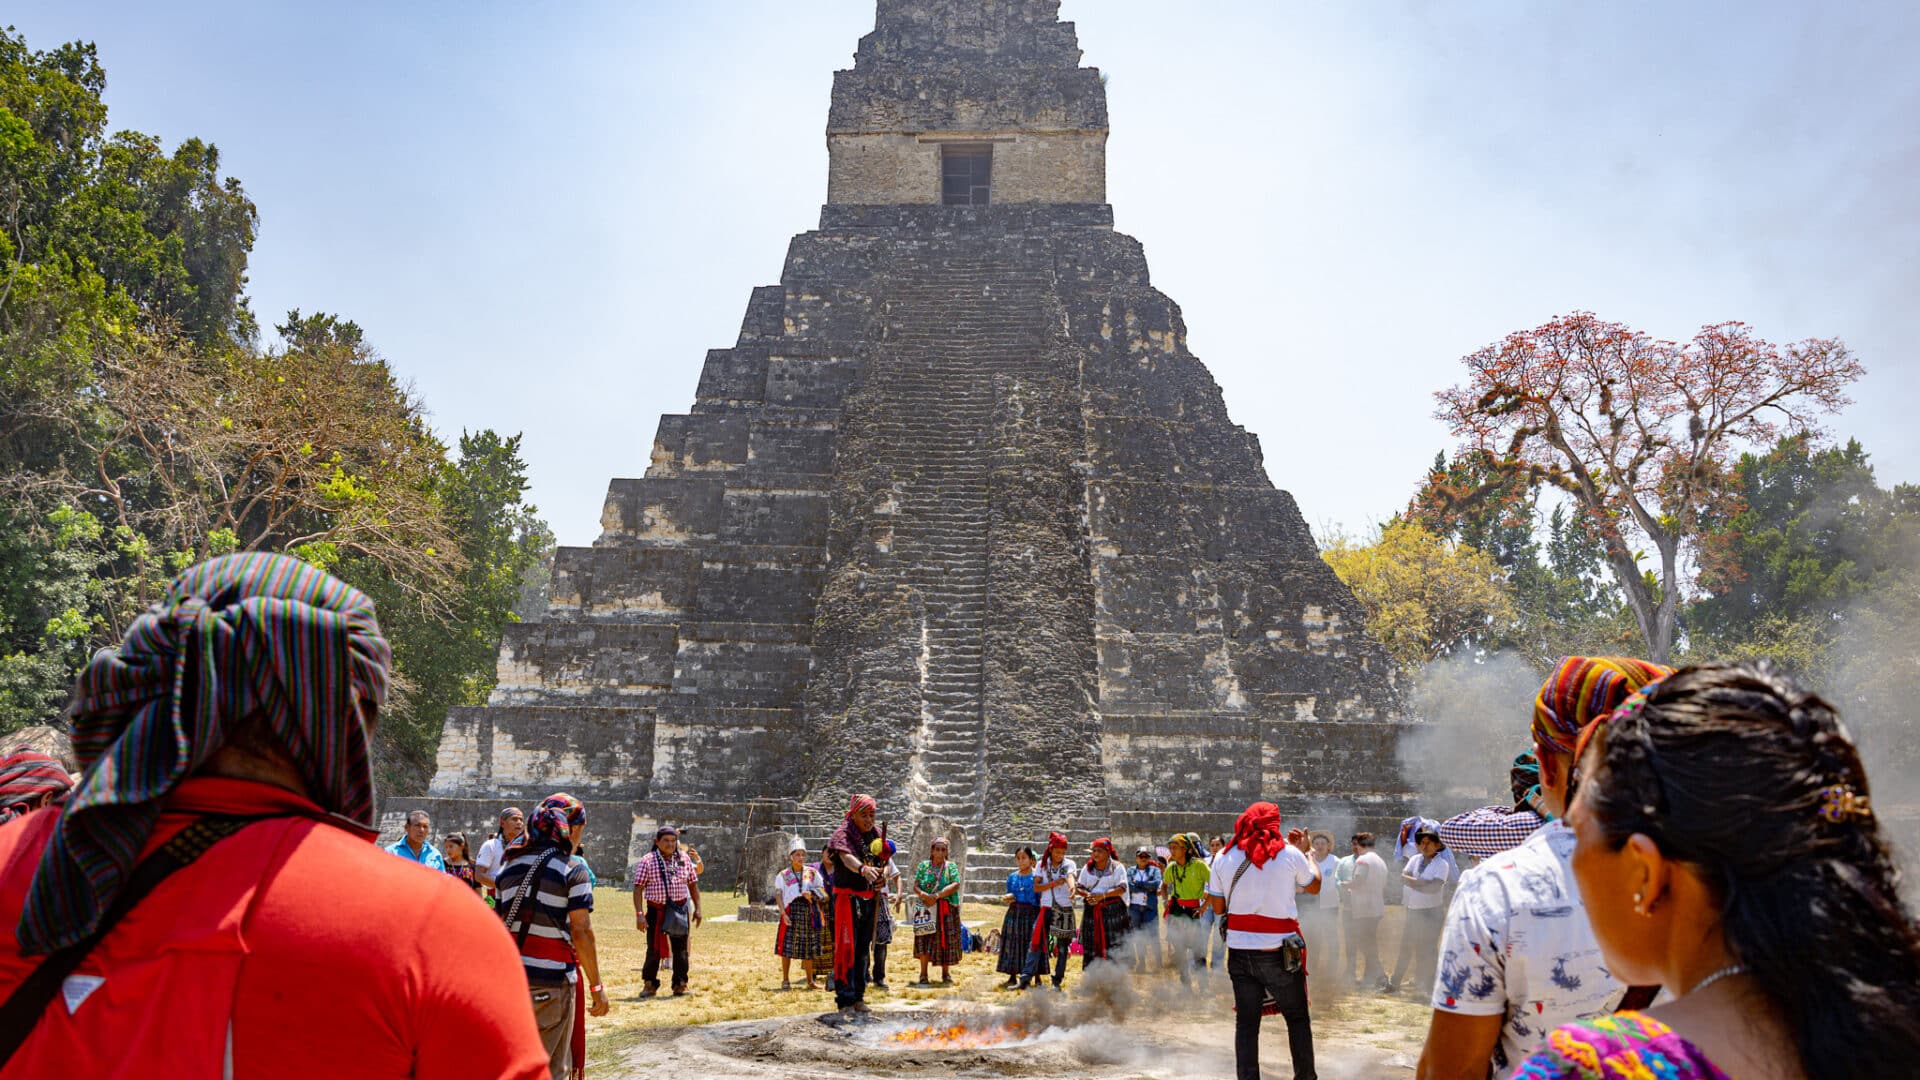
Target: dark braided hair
(1726, 767)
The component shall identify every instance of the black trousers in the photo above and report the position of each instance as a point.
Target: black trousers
(650, 971)
(854, 989)
(1256, 974)
(879, 964)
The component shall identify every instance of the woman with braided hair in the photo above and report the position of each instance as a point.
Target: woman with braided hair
(1728, 850)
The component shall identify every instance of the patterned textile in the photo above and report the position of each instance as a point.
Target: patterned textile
(1524, 775)
(661, 879)
(1107, 926)
(1623, 1046)
(1490, 830)
(930, 880)
(1583, 689)
(1516, 944)
(234, 636)
(25, 775)
(465, 872)
(556, 816)
(942, 946)
(561, 889)
(1016, 937)
(805, 936)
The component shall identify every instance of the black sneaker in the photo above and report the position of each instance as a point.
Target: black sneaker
(877, 986)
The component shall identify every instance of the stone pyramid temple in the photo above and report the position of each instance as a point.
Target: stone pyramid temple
(957, 521)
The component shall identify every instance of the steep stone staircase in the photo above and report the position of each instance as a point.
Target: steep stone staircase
(959, 323)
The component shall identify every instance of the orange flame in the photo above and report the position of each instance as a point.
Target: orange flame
(957, 1036)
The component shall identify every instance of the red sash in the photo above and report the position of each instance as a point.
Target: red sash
(844, 945)
(1040, 928)
(577, 1039)
(1261, 924)
(940, 921)
(1097, 924)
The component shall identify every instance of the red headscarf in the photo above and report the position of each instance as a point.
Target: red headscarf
(1104, 844)
(1257, 833)
(861, 802)
(1056, 840)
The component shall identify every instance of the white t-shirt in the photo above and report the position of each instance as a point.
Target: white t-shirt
(1367, 893)
(1424, 869)
(492, 854)
(1043, 873)
(1104, 881)
(1262, 890)
(1517, 943)
(1329, 890)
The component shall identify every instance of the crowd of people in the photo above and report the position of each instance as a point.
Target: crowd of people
(1690, 881)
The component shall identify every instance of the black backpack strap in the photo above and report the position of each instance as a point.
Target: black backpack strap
(520, 896)
(24, 1007)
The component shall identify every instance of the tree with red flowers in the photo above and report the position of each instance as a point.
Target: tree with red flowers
(1641, 433)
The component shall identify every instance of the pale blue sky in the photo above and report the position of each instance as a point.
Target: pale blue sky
(544, 214)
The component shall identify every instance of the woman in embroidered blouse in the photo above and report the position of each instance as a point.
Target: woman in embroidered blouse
(1103, 885)
(1728, 851)
(1016, 928)
(802, 937)
(936, 883)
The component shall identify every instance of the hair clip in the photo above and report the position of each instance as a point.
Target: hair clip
(1839, 803)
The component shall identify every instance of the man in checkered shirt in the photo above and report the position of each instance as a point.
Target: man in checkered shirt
(665, 879)
(1490, 830)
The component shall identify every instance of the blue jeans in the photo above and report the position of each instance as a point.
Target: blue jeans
(1214, 949)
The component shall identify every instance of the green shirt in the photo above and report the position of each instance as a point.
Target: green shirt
(1187, 882)
(931, 881)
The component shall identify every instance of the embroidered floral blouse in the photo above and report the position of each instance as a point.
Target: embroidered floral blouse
(1621, 1046)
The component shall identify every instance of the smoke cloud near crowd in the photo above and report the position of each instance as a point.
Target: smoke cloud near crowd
(1477, 711)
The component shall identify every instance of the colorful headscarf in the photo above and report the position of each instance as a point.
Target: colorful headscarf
(556, 814)
(233, 637)
(1105, 844)
(1524, 776)
(1582, 689)
(25, 775)
(1056, 840)
(861, 802)
(1257, 832)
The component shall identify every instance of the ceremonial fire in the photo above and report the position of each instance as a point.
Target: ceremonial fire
(958, 1036)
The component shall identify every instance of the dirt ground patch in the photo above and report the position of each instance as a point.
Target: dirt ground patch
(735, 1021)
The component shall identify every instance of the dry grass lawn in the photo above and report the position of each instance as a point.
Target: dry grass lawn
(735, 976)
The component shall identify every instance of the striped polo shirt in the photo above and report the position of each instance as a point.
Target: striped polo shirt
(563, 888)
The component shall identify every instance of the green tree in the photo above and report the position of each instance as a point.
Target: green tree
(1813, 535)
(1424, 596)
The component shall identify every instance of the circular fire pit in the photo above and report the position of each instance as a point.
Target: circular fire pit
(952, 1042)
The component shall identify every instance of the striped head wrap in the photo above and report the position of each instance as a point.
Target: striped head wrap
(235, 637)
(1524, 776)
(859, 803)
(25, 775)
(559, 812)
(1583, 689)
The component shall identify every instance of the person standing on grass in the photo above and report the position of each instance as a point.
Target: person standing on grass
(1424, 884)
(546, 903)
(1053, 882)
(1103, 885)
(1186, 891)
(666, 904)
(1252, 887)
(856, 881)
(1367, 895)
(1016, 928)
(936, 884)
(493, 853)
(1144, 883)
(886, 900)
(803, 930)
